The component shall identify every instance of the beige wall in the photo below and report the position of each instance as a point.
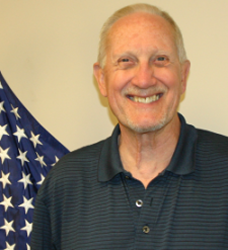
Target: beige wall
(48, 47)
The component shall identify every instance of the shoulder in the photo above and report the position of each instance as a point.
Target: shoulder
(208, 137)
(84, 154)
(212, 144)
(76, 166)
(73, 171)
(83, 157)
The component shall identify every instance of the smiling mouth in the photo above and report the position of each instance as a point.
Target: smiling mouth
(148, 99)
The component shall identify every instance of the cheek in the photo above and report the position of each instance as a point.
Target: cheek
(171, 79)
(118, 81)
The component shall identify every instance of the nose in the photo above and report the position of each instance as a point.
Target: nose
(144, 75)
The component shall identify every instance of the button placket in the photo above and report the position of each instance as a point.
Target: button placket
(140, 203)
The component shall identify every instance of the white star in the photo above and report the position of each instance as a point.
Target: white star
(27, 227)
(27, 204)
(40, 159)
(3, 131)
(35, 139)
(15, 111)
(5, 179)
(9, 247)
(20, 133)
(42, 180)
(1, 85)
(25, 179)
(56, 160)
(28, 247)
(6, 202)
(22, 157)
(1, 107)
(8, 226)
(3, 154)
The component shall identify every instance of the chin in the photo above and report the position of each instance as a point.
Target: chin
(139, 128)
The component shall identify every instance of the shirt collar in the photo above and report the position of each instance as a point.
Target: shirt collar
(183, 159)
(109, 163)
(182, 162)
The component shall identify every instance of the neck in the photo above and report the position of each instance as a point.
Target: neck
(145, 155)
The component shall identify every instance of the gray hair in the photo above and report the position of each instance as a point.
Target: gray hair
(130, 9)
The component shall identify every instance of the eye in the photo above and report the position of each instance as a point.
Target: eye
(161, 61)
(125, 62)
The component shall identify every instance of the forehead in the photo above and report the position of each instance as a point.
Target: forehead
(142, 28)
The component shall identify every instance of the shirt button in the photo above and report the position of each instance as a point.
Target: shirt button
(146, 229)
(139, 203)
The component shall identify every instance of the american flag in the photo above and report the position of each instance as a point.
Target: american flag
(27, 153)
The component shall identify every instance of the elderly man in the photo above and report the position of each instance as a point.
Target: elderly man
(156, 183)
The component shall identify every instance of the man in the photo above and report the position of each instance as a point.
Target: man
(156, 183)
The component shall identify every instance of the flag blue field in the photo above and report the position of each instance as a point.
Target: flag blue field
(27, 153)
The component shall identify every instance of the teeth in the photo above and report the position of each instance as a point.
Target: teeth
(145, 99)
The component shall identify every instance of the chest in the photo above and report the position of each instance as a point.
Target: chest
(173, 213)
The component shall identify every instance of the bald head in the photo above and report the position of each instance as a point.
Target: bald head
(104, 41)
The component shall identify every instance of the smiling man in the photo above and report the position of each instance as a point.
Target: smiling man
(143, 78)
(157, 182)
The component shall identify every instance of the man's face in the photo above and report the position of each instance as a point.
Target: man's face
(142, 78)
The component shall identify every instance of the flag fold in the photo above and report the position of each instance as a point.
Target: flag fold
(27, 153)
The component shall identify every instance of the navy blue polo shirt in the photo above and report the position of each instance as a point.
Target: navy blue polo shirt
(88, 201)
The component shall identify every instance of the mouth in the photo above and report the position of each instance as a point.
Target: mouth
(148, 99)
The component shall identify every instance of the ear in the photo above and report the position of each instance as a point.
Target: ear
(184, 74)
(99, 75)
